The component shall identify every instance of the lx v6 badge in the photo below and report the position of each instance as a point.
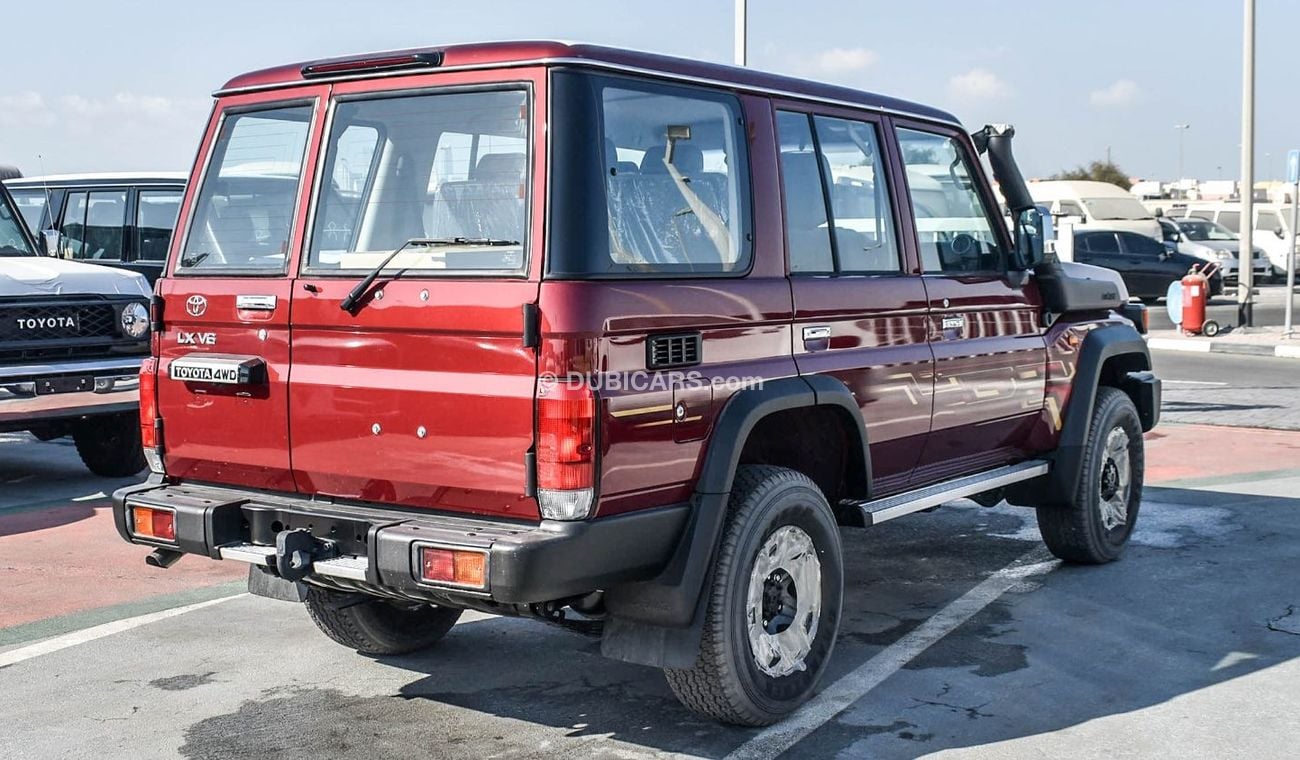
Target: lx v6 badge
(196, 338)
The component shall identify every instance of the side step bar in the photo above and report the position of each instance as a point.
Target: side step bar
(879, 510)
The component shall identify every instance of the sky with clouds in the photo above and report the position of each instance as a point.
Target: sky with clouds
(125, 85)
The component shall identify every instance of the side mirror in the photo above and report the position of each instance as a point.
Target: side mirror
(51, 238)
(1033, 230)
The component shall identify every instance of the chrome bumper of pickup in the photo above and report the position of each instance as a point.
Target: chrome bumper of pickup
(114, 387)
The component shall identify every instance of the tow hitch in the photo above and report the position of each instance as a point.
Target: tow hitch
(295, 553)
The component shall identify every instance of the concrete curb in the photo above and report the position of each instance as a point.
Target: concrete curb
(1201, 346)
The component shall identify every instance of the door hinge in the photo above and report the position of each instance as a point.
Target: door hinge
(532, 326)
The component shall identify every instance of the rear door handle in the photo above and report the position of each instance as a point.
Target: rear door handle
(817, 338)
(255, 303)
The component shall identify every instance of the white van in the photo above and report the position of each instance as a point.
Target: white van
(1099, 204)
(1271, 231)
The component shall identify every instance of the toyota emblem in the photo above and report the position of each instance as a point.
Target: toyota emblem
(196, 305)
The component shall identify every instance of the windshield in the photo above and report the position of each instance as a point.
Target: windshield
(450, 170)
(242, 218)
(1116, 208)
(1199, 230)
(13, 241)
(31, 204)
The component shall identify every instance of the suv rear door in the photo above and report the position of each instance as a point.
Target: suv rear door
(422, 393)
(227, 299)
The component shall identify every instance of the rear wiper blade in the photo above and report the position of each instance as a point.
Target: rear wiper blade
(195, 260)
(349, 301)
(469, 241)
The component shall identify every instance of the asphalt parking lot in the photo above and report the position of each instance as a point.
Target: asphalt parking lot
(961, 638)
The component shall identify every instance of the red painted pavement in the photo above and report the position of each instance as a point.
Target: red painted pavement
(64, 559)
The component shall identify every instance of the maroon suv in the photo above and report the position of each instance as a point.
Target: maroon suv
(617, 341)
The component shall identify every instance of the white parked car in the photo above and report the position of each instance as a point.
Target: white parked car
(1100, 204)
(1211, 242)
(1271, 230)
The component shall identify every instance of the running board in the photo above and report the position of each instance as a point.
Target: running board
(880, 510)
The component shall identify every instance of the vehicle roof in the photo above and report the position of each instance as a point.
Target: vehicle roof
(1080, 188)
(101, 178)
(519, 53)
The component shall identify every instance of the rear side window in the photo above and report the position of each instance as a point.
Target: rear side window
(155, 217)
(1141, 244)
(1101, 242)
(444, 174)
(245, 206)
(1231, 220)
(806, 225)
(648, 179)
(1268, 221)
(953, 227)
(93, 225)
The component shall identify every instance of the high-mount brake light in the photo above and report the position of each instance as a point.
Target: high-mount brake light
(566, 450)
(150, 424)
(428, 59)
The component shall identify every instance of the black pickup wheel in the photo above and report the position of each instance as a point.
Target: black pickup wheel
(1096, 526)
(773, 605)
(377, 626)
(109, 445)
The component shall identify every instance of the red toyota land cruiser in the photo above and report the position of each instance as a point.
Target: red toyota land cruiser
(616, 341)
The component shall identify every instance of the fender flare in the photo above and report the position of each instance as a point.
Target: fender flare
(660, 622)
(1101, 345)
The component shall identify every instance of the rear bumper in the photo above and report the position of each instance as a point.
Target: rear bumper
(110, 385)
(375, 550)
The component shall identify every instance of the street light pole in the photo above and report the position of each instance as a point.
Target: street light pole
(1245, 278)
(741, 33)
(1182, 130)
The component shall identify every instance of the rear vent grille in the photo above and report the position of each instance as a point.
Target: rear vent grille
(664, 351)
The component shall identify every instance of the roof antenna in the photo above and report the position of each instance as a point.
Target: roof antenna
(49, 207)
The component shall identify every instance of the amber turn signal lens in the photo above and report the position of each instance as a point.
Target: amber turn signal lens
(453, 566)
(153, 523)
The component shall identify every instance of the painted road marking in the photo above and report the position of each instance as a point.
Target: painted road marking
(1191, 382)
(774, 740)
(100, 631)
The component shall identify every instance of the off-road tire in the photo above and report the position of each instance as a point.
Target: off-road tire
(109, 445)
(378, 626)
(1076, 533)
(726, 684)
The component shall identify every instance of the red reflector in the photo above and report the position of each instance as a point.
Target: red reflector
(454, 566)
(153, 523)
(148, 404)
(566, 453)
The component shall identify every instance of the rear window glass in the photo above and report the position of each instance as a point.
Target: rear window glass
(245, 206)
(155, 217)
(446, 175)
(651, 179)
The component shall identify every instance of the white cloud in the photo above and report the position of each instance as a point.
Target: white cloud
(978, 84)
(845, 60)
(1122, 93)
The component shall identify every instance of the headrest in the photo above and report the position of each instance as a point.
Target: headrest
(687, 158)
(500, 167)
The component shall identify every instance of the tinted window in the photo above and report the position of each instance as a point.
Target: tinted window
(155, 217)
(1268, 221)
(860, 210)
(31, 204)
(1230, 219)
(1141, 244)
(72, 241)
(446, 172)
(1101, 242)
(953, 226)
(245, 206)
(806, 227)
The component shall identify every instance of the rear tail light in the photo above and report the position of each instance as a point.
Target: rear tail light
(453, 567)
(150, 423)
(148, 522)
(566, 450)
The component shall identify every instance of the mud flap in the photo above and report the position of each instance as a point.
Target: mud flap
(263, 582)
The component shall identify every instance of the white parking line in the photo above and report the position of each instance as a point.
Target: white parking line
(1190, 382)
(100, 631)
(774, 740)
